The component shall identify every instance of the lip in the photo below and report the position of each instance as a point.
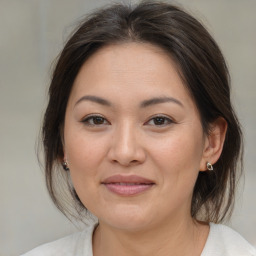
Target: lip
(127, 185)
(127, 179)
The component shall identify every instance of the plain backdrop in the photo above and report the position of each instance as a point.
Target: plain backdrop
(32, 33)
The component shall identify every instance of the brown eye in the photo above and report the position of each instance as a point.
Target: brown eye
(160, 121)
(95, 120)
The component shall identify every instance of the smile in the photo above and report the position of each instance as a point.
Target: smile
(127, 185)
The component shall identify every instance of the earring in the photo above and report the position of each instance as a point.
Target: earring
(65, 166)
(209, 166)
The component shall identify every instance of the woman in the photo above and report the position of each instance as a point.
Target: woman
(139, 117)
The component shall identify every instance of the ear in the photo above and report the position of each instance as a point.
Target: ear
(63, 158)
(214, 142)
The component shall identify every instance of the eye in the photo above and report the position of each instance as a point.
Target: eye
(94, 120)
(160, 121)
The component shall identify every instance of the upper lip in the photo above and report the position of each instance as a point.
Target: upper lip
(127, 179)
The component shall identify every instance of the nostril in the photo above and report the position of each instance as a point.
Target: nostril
(125, 163)
(124, 154)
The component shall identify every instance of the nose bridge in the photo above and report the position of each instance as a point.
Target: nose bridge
(126, 137)
(126, 148)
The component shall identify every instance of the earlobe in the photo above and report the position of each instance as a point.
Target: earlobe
(214, 143)
(64, 162)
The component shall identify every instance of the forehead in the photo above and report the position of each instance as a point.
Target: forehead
(128, 57)
(129, 70)
(121, 53)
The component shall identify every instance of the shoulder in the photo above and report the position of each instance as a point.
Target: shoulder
(224, 241)
(76, 244)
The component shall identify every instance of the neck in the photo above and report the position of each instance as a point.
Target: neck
(179, 238)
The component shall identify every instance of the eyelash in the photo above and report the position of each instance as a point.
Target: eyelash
(92, 117)
(86, 120)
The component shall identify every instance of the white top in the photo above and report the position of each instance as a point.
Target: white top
(222, 241)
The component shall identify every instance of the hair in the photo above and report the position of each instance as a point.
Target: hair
(202, 68)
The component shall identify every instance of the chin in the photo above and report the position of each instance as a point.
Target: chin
(129, 218)
(128, 226)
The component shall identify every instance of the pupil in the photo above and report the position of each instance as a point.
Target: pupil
(159, 120)
(98, 120)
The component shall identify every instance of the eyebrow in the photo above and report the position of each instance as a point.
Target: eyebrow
(94, 99)
(143, 104)
(159, 100)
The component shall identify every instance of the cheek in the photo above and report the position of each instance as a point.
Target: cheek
(84, 154)
(179, 150)
(82, 151)
(178, 159)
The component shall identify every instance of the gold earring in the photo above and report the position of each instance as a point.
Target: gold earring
(209, 166)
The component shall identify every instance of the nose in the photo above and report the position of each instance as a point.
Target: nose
(126, 148)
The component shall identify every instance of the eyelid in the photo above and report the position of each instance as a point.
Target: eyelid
(90, 117)
(168, 118)
(86, 119)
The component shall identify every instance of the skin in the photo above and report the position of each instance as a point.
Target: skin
(127, 140)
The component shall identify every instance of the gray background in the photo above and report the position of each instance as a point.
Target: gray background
(32, 34)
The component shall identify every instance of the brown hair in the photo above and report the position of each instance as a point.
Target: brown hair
(203, 69)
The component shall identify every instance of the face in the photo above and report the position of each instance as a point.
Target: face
(133, 138)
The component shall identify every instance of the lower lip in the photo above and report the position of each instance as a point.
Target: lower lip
(128, 190)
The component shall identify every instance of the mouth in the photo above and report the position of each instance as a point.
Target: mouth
(127, 185)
